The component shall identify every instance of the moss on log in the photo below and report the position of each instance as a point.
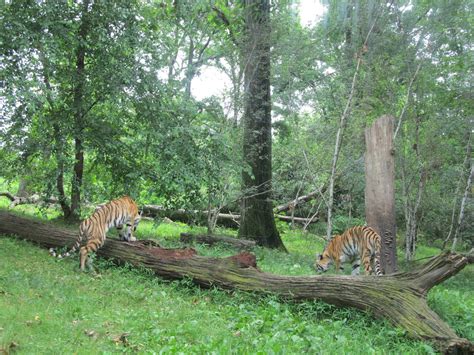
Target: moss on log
(400, 297)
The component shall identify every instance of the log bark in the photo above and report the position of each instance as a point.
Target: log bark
(213, 239)
(399, 297)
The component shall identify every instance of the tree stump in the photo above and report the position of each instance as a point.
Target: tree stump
(380, 188)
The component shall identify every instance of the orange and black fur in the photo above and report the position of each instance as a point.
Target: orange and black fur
(355, 244)
(121, 213)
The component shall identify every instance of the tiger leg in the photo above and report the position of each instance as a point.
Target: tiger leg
(121, 232)
(378, 269)
(83, 257)
(132, 229)
(356, 267)
(91, 246)
(366, 261)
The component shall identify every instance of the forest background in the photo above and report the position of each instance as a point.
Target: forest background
(101, 99)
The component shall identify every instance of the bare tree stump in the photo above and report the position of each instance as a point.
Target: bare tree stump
(399, 297)
(380, 188)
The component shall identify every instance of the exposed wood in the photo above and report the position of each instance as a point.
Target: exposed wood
(380, 188)
(399, 297)
(213, 239)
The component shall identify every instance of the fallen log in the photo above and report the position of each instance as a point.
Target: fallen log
(26, 200)
(213, 239)
(400, 297)
(229, 220)
(226, 219)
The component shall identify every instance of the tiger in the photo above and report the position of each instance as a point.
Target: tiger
(356, 243)
(121, 213)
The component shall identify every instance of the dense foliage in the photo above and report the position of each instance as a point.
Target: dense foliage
(115, 83)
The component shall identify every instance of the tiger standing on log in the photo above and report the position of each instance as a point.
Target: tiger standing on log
(121, 213)
(355, 244)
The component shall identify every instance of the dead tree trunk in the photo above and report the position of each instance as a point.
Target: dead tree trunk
(399, 297)
(380, 188)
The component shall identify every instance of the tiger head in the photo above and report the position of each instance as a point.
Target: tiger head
(127, 232)
(323, 261)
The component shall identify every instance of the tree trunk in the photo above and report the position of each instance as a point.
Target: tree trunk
(412, 220)
(380, 188)
(401, 297)
(76, 183)
(59, 140)
(23, 187)
(465, 166)
(412, 207)
(257, 220)
(461, 210)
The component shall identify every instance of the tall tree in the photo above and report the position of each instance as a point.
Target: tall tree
(256, 208)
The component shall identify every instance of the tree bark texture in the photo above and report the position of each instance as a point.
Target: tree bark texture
(400, 297)
(380, 188)
(257, 220)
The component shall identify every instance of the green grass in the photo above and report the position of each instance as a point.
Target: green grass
(47, 306)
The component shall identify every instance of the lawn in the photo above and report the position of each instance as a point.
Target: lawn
(47, 306)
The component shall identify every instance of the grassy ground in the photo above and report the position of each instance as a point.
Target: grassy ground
(47, 306)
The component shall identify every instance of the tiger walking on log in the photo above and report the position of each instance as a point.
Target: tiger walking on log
(121, 213)
(355, 244)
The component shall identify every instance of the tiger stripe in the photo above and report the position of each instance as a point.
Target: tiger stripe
(117, 213)
(355, 244)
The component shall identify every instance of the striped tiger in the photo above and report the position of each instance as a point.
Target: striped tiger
(121, 213)
(356, 243)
